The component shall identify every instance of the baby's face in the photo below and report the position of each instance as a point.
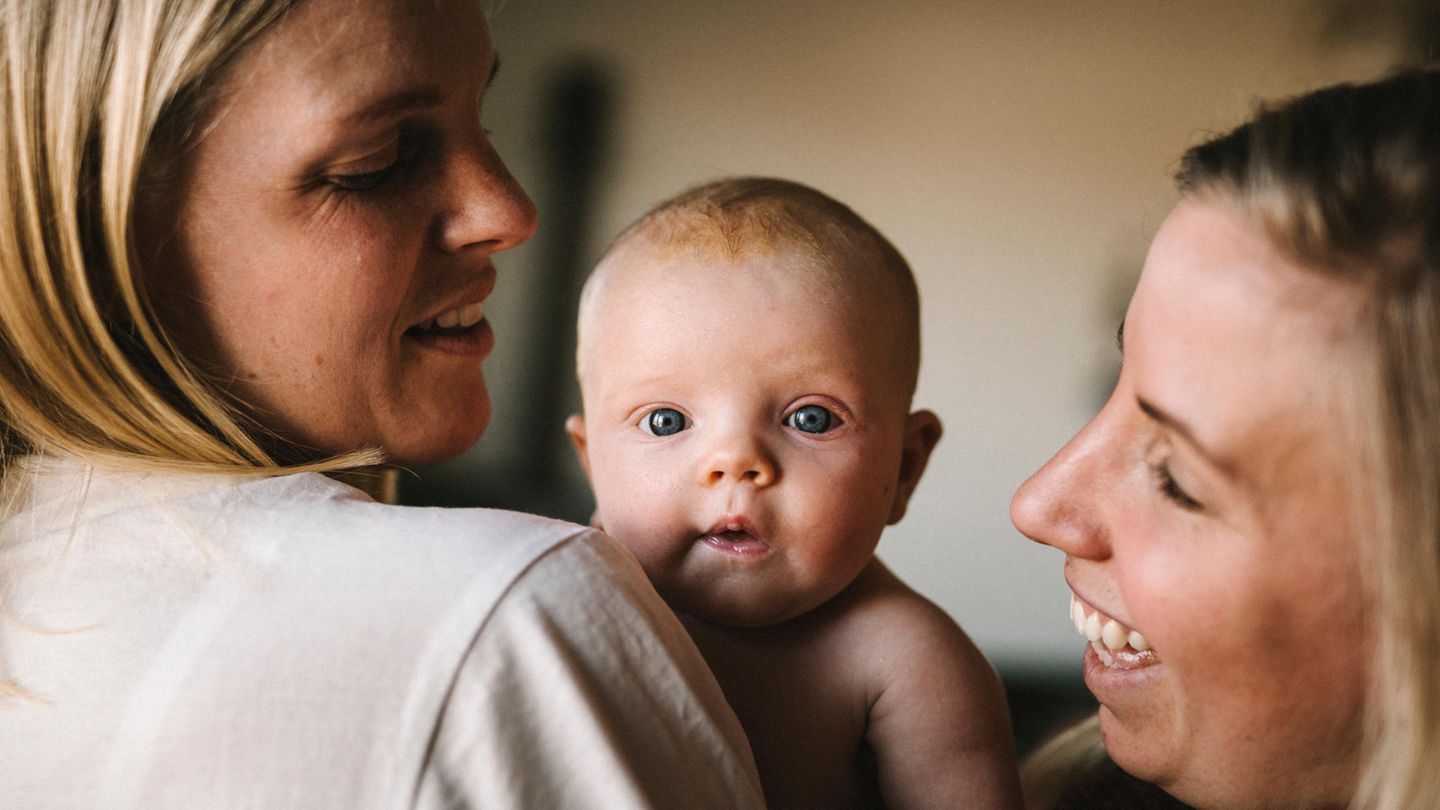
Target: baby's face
(743, 431)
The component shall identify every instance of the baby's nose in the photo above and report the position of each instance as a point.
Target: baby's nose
(738, 459)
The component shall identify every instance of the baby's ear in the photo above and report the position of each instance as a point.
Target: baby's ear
(922, 433)
(575, 426)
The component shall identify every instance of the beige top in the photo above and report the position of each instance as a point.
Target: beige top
(226, 641)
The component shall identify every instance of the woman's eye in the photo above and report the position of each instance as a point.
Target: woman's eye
(1170, 489)
(363, 181)
(812, 419)
(663, 422)
(406, 152)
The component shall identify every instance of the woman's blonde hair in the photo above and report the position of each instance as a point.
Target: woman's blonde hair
(1347, 180)
(93, 96)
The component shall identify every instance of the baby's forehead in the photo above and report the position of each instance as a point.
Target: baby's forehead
(652, 293)
(830, 277)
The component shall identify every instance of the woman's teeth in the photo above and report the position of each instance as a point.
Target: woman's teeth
(462, 318)
(1111, 640)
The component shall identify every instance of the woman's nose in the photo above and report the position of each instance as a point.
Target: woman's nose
(1060, 505)
(738, 457)
(483, 204)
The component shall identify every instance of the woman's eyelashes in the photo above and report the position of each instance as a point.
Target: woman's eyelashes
(362, 181)
(385, 167)
(1171, 489)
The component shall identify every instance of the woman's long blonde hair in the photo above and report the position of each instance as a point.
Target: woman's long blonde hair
(93, 95)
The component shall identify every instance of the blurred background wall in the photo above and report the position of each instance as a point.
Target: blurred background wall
(1018, 153)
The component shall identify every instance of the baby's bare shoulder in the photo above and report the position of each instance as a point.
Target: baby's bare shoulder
(904, 630)
(938, 722)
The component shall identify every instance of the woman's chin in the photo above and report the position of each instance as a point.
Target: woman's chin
(1154, 750)
(432, 452)
(433, 438)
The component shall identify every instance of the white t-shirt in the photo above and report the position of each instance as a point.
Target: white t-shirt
(208, 641)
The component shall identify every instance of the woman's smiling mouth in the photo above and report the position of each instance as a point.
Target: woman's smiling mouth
(462, 330)
(462, 317)
(1117, 646)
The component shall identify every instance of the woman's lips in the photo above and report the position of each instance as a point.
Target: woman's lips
(1113, 644)
(461, 317)
(1110, 683)
(468, 334)
(475, 339)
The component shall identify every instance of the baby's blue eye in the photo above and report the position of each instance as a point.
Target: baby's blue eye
(811, 419)
(663, 422)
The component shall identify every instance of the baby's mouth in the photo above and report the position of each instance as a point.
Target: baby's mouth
(736, 536)
(1117, 646)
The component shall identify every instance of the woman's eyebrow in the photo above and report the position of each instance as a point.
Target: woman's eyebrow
(1177, 425)
(415, 98)
(402, 101)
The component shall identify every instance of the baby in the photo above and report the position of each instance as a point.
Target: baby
(747, 355)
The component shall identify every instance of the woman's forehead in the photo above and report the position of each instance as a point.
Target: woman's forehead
(340, 56)
(1213, 262)
(1239, 342)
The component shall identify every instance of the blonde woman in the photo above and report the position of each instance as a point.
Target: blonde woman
(1252, 522)
(244, 241)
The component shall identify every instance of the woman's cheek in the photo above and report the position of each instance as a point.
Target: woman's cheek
(1166, 596)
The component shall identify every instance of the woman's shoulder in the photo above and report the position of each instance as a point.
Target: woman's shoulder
(333, 516)
(545, 640)
(304, 520)
(301, 555)
(294, 612)
(311, 561)
(431, 559)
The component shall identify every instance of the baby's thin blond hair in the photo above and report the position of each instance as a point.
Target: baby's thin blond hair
(732, 218)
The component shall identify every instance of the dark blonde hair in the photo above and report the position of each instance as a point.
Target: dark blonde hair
(97, 94)
(1347, 181)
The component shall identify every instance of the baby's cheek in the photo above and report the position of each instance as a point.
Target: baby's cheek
(636, 534)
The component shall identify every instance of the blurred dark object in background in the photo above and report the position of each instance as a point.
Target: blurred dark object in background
(1413, 24)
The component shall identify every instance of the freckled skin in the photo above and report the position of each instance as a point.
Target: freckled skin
(296, 293)
(853, 689)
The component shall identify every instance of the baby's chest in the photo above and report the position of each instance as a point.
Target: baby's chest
(807, 729)
(790, 701)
